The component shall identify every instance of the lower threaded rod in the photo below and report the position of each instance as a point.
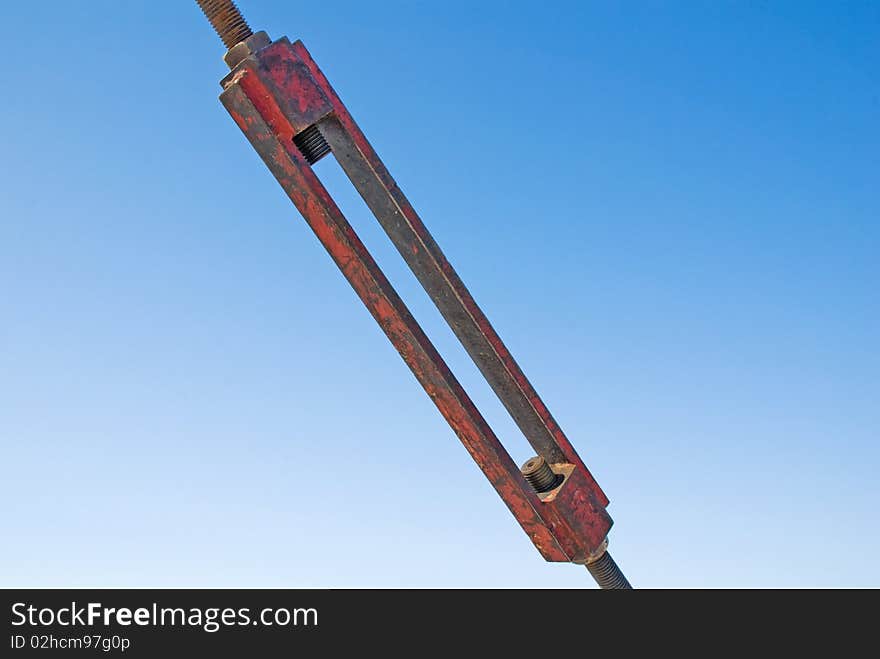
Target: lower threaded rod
(539, 474)
(227, 21)
(607, 574)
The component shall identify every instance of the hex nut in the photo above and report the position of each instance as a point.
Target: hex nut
(244, 49)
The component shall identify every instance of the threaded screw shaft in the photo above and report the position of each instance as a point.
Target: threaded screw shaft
(227, 21)
(539, 474)
(311, 144)
(607, 574)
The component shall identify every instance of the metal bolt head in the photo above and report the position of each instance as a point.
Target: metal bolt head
(244, 49)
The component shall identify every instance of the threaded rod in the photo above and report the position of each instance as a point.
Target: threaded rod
(227, 21)
(539, 474)
(311, 144)
(607, 574)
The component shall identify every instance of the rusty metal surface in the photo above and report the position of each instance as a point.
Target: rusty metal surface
(276, 95)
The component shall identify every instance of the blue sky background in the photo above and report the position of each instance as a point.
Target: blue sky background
(669, 211)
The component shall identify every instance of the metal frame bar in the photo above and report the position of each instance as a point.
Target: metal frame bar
(278, 92)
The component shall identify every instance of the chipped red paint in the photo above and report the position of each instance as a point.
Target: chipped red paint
(276, 94)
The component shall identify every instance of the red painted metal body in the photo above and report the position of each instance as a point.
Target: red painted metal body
(277, 93)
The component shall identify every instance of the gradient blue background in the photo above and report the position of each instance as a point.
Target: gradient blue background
(668, 210)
